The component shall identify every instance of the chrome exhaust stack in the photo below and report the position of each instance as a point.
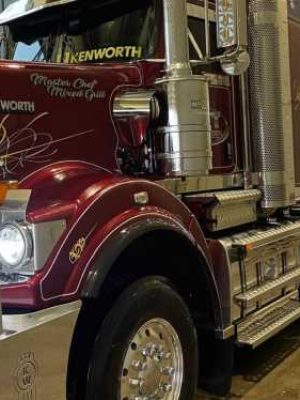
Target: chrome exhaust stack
(176, 38)
(186, 134)
(270, 95)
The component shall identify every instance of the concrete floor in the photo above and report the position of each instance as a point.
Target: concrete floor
(271, 372)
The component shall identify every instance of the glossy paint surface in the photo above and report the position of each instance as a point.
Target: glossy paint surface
(223, 125)
(52, 113)
(103, 209)
(59, 139)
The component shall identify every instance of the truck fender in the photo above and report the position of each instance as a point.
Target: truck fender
(126, 234)
(107, 221)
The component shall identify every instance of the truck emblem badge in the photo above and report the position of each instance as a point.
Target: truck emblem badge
(25, 377)
(77, 250)
(104, 53)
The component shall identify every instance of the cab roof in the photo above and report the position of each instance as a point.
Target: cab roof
(22, 9)
(32, 19)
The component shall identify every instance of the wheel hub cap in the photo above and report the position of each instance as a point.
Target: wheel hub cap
(153, 364)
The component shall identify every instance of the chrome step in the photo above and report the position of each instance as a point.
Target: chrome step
(256, 294)
(256, 238)
(258, 328)
(226, 209)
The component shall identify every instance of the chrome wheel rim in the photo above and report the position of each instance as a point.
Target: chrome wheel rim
(153, 364)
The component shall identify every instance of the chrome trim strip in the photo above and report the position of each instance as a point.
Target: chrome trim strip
(19, 323)
(202, 183)
(45, 236)
(230, 196)
(262, 238)
(259, 292)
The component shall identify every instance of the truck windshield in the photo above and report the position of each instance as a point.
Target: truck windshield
(128, 35)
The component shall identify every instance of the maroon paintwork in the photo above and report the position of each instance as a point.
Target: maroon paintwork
(74, 134)
(72, 126)
(97, 205)
(61, 142)
(223, 126)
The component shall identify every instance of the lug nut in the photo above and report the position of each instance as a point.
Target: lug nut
(168, 371)
(164, 355)
(165, 387)
(134, 382)
(139, 365)
(149, 350)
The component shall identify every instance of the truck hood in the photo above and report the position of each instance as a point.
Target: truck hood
(51, 113)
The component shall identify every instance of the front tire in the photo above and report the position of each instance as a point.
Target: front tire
(146, 347)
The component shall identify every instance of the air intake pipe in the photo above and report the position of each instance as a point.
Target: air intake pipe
(270, 96)
(186, 136)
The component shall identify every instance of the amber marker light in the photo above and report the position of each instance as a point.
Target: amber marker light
(5, 186)
(249, 247)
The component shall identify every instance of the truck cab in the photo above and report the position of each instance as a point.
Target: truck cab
(147, 160)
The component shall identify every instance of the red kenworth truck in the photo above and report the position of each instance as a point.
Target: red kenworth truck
(150, 175)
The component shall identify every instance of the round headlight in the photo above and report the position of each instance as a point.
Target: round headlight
(15, 245)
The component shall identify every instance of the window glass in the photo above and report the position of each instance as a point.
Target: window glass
(130, 36)
(40, 50)
(197, 28)
(110, 35)
(26, 52)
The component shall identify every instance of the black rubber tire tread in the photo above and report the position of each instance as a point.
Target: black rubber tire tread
(151, 297)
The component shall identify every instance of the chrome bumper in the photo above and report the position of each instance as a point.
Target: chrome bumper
(34, 351)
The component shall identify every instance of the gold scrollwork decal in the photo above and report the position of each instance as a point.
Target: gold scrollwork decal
(77, 250)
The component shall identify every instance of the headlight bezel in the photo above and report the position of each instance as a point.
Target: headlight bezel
(22, 266)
